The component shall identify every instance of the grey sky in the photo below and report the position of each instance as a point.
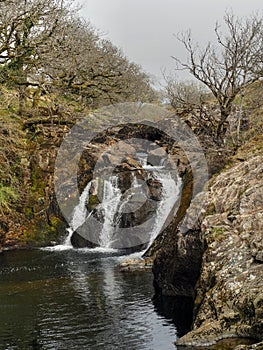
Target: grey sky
(144, 28)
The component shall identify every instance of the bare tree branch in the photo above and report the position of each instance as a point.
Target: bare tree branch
(229, 67)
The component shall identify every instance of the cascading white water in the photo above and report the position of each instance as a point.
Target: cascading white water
(171, 189)
(80, 211)
(109, 206)
(79, 214)
(142, 157)
(113, 204)
(113, 208)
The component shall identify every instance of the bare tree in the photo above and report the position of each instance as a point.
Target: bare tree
(186, 95)
(190, 100)
(229, 67)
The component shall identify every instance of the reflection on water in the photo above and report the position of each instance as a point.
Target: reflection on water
(77, 300)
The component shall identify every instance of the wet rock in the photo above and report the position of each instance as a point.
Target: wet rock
(138, 264)
(117, 152)
(127, 171)
(95, 194)
(79, 241)
(257, 346)
(155, 189)
(157, 156)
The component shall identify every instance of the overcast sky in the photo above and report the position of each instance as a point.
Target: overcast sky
(145, 29)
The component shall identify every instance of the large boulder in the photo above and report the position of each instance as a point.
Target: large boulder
(157, 156)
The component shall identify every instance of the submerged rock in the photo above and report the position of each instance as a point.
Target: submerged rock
(138, 264)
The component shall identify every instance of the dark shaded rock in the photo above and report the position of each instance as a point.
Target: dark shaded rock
(78, 241)
(177, 276)
(126, 172)
(155, 189)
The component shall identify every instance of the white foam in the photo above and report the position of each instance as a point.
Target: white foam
(57, 248)
(98, 250)
(135, 256)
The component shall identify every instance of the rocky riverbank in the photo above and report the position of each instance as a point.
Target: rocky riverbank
(228, 292)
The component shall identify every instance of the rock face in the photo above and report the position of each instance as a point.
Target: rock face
(35, 218)
(229, 300)
(178, 255)
(219, 262)
(227, 245)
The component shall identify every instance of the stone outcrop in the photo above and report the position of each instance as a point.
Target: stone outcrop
(136, 264)
(229, 300)
(219, 262)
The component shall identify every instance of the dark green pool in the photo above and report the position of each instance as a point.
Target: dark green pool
(77, 300)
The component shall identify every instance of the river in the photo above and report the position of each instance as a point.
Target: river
(77, 300)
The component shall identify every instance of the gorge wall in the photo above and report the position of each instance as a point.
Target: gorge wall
(30, 147)
(228, 292)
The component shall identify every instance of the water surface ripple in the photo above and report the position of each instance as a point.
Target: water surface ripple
(77, 300)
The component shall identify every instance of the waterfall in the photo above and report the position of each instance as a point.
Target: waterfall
(142, 157)
(113, 204)
(79, 214)
(109, 206)
(170, 194)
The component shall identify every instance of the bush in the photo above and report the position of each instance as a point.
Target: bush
(7, 196)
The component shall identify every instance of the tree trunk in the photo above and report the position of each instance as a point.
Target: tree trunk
(22, 99)
(222, 128)
(36, 97)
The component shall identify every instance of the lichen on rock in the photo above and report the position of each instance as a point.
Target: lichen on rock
(229, 299)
